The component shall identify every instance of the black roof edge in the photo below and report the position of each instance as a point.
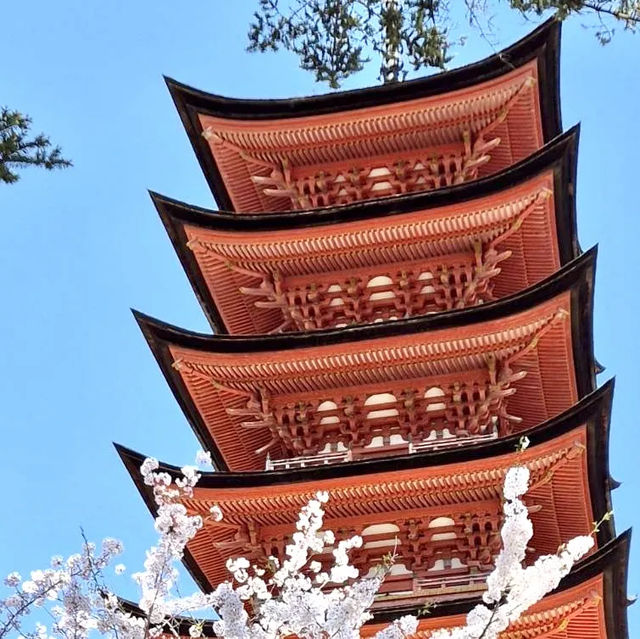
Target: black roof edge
(178, 237)
(600, 481)
(543, 42)
(183, 623)
(560, 153)
(163, 359)
(578, 271)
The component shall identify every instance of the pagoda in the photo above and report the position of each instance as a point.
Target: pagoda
(397, 296)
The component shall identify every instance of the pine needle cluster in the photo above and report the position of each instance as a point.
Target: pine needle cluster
(19, 148)
(336, 38)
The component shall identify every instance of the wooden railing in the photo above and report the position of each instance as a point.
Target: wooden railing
(323, 459)
(433, 589)
(451, 442)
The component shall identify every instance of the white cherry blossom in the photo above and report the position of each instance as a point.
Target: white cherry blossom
(300, 593)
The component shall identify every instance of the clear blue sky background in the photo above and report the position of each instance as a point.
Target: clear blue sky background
(79, 247)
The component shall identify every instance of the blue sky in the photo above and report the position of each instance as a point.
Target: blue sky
(79, 247)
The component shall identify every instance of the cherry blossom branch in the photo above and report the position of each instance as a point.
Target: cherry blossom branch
(289, 596)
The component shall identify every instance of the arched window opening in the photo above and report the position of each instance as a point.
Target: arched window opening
(441, 522)
(326, 406)
(380, 280)
(335, 300)
(381, 398)
(433, 394)
(427, 278)
(380, 172)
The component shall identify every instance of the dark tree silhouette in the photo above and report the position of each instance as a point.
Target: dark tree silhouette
(19, 148)
(334, 38)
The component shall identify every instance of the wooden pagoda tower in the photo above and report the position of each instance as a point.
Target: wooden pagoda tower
(397, 294)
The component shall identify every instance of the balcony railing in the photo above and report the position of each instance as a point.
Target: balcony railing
(451, 442)
(450, 584)
(435, 589)
(323, 459)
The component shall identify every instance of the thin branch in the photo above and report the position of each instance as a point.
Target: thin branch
(614, 13)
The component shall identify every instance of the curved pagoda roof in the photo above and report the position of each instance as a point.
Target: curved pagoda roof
(251, 271)
(570, 488)
(544, 333)
(589, 603)
(433, 130)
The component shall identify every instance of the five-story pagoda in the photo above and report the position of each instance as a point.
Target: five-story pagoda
(397, 295)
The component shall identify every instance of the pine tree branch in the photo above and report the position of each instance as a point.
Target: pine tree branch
(19, 150)
(332, 37)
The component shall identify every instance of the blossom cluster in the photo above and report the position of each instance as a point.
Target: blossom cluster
(70, 590)
(295, 596)
(512, 588)
(74, 593)
(312, 591)
(175, 528)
